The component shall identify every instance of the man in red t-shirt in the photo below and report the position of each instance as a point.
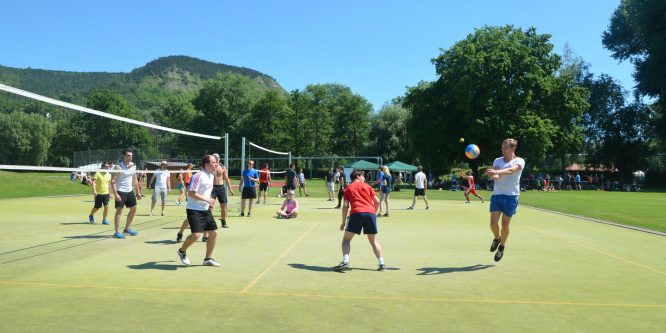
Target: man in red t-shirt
(264, 181)
(363, 201)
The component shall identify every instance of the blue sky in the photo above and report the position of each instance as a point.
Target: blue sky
(377, 48)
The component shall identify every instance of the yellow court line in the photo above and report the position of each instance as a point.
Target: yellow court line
(348, 297)
(601, 252)
(256, 279)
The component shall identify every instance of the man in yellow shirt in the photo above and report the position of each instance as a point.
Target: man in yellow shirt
(101, 187)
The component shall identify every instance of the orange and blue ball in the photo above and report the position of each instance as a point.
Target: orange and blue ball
(472, 151)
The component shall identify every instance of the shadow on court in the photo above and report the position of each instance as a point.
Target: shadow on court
(156, 265)
(88, 237)
(162, 242)
(332, 269)
(445, 270)
(73, 223)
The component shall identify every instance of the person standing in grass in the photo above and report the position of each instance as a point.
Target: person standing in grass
(342, 184)
(122, 183)
(264, 182)
(249, 180)
(506, 172)
(363, 202)
(385, 187)
(301, 183)
(330, 184)
(420, 188)
(199, 211)
(162, 180)
(101, 188)
(181, 187)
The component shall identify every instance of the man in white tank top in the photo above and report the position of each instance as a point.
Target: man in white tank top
(506, 172)
(122, 183)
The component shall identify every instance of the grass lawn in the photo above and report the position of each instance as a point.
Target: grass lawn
(61, 274)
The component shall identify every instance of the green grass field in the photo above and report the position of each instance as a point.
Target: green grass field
(60, 274)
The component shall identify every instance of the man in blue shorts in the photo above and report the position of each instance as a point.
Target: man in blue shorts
(506, 172)
(363, 201)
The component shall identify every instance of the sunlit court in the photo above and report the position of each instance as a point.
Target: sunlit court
(559, 273)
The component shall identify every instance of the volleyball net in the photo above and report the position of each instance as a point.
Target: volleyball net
(44, 134)
(277, 162)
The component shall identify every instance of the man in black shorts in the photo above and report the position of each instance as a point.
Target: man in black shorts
(199, 211)
(291, 178)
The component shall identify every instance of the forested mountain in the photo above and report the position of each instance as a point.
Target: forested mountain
(159, 77)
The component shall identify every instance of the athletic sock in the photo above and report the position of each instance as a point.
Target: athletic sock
(207, 258)
(380, 260)
(345, 258)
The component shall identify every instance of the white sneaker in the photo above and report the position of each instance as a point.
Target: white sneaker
(150, 214)
(163, 214)
(211, 262)
(183, 257)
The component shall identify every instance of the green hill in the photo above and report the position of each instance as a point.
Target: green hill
(143, 86)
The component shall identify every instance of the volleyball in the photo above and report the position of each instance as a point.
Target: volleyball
(472, 151)
(462, 140)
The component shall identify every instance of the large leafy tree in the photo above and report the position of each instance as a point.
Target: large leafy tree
(225, 103)
(617, 132)
(271, 121)
(26, 138)
(637, 32)
(389, 133)
(499, 82)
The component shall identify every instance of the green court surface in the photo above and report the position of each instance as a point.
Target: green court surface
(559, 274)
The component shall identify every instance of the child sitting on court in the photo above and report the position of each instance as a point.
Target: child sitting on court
(289, 207)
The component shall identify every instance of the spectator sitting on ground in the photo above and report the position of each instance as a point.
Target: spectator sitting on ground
(289, 207)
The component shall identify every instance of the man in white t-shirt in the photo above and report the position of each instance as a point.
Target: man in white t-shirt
(421, 186)
(200, 211)
(506, 173)
(162, 180)
(122, 183)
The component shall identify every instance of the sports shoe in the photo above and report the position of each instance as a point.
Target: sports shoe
(257, 202)
(204, 239)
(131, 232)
(224, 224)
(336, 207)
(279, 216)
(105, 222)
(178, 203)
(183, 257)
(91, 219)
(410, 208)
(179, 237)
(211, 262)
(386, 215)
(381, 268)
(498, 255)
(163, 214)
(428, 207)
(118, 235)
(150, 214)
(482, 201)
(249, 214)
(242, 214)
(343, 266)
(494, 245)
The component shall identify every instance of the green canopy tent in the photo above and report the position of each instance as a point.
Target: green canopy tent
(400, 166)
(362, 165)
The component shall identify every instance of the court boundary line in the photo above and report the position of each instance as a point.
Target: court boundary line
(348, 297)
(258, 277)
(615, 224)
(608, 254)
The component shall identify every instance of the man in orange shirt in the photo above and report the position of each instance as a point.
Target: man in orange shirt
(188, 176)
(363, 201)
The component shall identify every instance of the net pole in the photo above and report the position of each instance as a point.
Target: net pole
(226, 150)
(242, 160)
(289, 160)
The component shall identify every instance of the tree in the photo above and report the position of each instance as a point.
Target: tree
(26, 138)
(389, 133)
(225, 103)
(499, 82)
(617, 133)
(637, 32)
(271, 121)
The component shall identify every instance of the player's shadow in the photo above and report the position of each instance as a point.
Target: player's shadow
(72, 223)
(174, 228)
(312, 268)
(156, 265)
(445, 270)
(88, 236)
(162, 242)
